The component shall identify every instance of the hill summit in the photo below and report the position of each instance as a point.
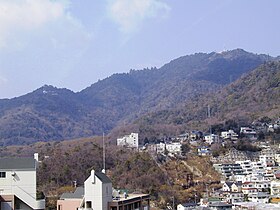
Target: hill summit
(51, 113)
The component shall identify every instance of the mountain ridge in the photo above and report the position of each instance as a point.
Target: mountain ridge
(51, 113)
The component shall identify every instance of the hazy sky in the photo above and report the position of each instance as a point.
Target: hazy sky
(73, 43)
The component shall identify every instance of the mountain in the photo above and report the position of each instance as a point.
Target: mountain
(51, 113)
(254, 96)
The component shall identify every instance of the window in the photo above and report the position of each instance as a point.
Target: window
(2, 174)
(88, 204)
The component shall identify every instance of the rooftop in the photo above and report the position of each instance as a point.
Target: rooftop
(17, 163)
(78, 194)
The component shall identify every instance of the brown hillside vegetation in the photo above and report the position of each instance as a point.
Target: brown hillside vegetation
(68, 161)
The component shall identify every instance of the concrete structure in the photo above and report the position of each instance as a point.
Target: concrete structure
(187, 206)
(131, 201)
(230, 134)
(130, 141)
(248, 133)
(204, 151)
(275, 187)
(259, 197)
(173, 148)
(18, 184)
(212, 139)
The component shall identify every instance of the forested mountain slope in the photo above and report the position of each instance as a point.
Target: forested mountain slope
(50, 113)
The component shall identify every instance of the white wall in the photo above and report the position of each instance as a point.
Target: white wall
(129, 140)
(26, 180)
(95, 191)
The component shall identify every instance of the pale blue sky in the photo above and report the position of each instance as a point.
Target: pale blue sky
(73, 43)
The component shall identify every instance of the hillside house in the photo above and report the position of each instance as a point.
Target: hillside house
(230, 134)
(18, 184)
(212, 139)
(275, 187)
(248, 133)
(204, 151)
(71, 201)
(259, 197)
(130, 141)
(171, 148)
(232, 187)
(234, 197)
(97, 194)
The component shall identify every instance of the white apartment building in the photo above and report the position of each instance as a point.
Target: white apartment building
(18, 184)
(173, 148)
(230, 134)
(130, 141)
(212, 138)
(259, 197)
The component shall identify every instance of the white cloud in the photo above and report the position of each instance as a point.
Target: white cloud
(41, 42)
(129, 14)
(21, 16)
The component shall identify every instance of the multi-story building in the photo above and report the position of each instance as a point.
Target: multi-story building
(230, 169)
(130, 141)
(18, 184)
(173, 148)
(230, 134)
(275, 187)
(212, 139)
(248, 133)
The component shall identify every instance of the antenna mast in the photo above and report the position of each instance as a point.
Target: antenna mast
(209, 116)
(104, 166)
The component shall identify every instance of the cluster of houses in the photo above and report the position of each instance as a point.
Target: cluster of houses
(131, 141)
(245, 184)
(18, 190)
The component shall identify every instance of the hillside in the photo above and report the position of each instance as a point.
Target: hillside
(50, 113)
(253, 96)
(63, 162)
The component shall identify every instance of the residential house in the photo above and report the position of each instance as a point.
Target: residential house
(18, 184)
(204, 151)
(232, 187)
(234, 197)
(130, 141)
(248, 187)
(172, 148)
(275, 187)
(259, 197)
(71, 201)
(97, 194)
(212, 139)
(230, 134)
(187, 206)
(248, 133)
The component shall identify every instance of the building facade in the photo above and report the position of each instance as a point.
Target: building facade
(18, 184)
